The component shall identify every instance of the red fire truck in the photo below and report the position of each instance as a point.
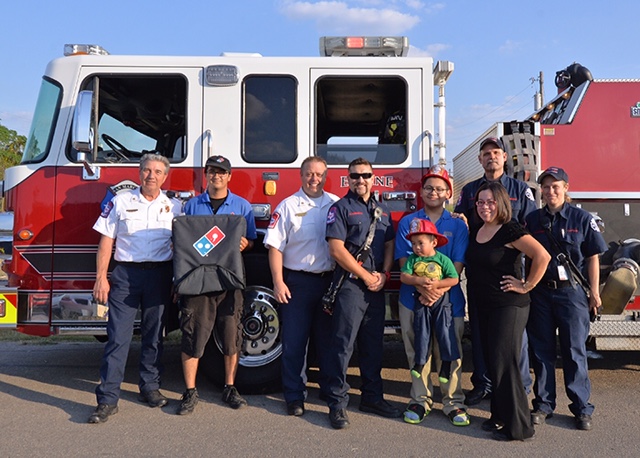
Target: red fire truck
(98, 113)
(592, 130)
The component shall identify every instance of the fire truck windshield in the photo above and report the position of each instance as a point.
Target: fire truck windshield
(44, 118)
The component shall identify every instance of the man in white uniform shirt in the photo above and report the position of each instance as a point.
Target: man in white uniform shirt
(301, 269)
(139, 223)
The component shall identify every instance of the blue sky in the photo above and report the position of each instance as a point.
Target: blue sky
(497, 46)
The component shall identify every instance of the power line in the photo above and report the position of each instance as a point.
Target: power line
(498, 107)
(506, 117)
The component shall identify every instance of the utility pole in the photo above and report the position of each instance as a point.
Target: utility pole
(538, 100)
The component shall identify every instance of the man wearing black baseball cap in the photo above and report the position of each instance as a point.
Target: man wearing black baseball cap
(219, 309)
(492, 157)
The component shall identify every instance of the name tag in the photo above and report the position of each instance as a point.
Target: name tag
(562, 274)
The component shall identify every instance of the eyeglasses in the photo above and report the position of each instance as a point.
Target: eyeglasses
(355, 176)
(488, 203)
(218, 172)
(430, 189)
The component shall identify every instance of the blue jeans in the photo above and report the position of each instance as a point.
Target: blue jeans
(437, 320)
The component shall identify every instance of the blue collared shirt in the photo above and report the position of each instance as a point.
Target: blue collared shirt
(522, 201)
(349, 220)
(456, 231)
(575, 230)
(233, 205)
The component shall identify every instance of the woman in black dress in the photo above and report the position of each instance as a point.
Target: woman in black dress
(494, 280)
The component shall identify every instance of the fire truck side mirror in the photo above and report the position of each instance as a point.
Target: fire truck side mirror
(82, 134)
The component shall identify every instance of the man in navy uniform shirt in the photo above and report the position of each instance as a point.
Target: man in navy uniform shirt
(492, 158)
(359, 307)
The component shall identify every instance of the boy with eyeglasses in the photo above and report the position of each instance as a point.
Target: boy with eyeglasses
(435, 191)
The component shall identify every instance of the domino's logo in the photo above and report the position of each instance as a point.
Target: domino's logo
(209, 241)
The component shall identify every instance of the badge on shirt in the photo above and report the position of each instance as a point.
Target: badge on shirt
(331, 216)
(107, 209)
(529, 194)
(274, 220)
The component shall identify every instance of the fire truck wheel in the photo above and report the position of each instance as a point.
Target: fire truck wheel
(259, 370)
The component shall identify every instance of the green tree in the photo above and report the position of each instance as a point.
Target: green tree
(11, 148)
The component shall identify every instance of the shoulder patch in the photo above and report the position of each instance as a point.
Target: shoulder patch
(274, 220)
(594, 225)
(529, 194)
(331, 216)
(107, 209)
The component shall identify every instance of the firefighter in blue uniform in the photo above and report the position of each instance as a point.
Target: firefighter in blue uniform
(492, 158)
(560, 303)
(359, 309)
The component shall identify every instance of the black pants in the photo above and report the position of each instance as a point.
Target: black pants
(501, 330)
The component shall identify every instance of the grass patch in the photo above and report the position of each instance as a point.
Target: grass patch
(9, 335)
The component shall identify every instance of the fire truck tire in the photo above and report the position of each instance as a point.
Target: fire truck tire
(259, 370)
(249, 380)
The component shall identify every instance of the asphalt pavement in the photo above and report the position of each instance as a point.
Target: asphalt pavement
(47, 394)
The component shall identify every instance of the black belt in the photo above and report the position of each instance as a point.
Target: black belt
(315, 274)
(553, 284)
(145, 265)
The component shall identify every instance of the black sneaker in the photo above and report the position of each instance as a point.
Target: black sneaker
(188, 402)
(231, 397)
(154, 398)
(381, 407)
(475, 396)
(102, 413)
(492, 425)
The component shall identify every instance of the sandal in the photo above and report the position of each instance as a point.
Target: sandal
(459, 417)
(415, 413)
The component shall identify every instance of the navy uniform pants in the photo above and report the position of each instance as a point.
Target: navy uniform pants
(358, 316)
(480, 376)
(302, 318)
(567, 310)
(147, 287)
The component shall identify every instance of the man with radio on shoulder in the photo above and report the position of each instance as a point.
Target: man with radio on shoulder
(361, 240)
